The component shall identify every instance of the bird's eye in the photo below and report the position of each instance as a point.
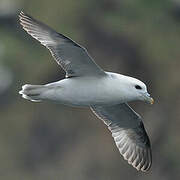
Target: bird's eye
(138, 87)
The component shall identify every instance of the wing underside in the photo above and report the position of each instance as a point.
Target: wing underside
(128, 132)
(73, 58)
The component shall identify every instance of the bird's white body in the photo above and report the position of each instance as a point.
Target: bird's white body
(88, 91)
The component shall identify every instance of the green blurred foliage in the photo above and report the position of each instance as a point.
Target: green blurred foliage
(50, 141)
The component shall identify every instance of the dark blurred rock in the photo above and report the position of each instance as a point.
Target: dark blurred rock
(113, 45)
(175, 9)
(46, 141)
(8, 13)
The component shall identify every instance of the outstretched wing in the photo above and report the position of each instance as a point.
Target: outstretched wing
(73, 58)
(128, 133)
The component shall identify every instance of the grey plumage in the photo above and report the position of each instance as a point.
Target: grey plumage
(128, 132)
(73, 58)
(124, 123)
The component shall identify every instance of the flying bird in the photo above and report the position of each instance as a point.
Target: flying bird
(87, 85)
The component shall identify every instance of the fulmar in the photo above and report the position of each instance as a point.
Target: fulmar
(88, 85)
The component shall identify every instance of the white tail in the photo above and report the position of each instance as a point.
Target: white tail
(32, 92)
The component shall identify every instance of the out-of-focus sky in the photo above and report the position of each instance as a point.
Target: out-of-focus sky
(50, 141)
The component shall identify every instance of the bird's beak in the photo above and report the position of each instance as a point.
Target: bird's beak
(148, 98)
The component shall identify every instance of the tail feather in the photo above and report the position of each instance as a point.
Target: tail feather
(32, 92)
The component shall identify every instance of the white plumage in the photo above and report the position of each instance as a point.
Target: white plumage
(86, 84)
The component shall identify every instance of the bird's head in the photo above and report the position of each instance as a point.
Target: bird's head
(135, 89)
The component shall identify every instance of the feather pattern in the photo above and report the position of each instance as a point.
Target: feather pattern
(73, 58)
(128, 132)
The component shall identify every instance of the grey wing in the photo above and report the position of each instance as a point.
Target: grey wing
(73, 58)
(128, 132)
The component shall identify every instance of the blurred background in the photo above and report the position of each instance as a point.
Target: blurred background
(46, 141)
